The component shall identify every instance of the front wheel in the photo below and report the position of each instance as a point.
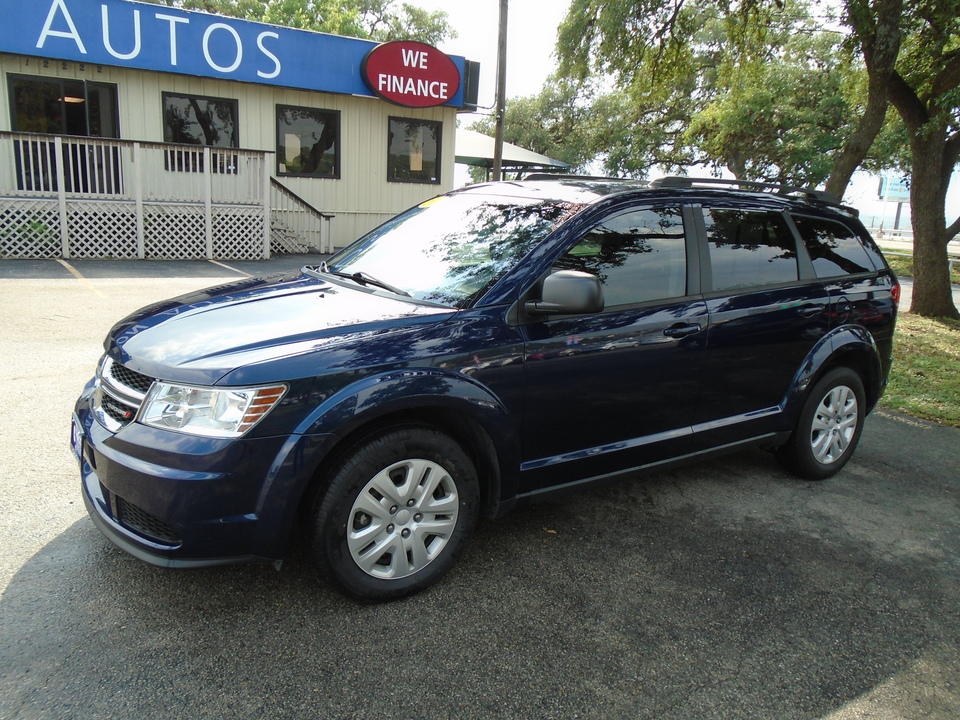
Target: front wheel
(396, 514)
(829, 427)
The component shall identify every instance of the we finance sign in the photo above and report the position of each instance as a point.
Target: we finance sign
(166, 39)
(411, 74)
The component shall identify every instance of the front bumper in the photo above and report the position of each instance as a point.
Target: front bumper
(175, 500)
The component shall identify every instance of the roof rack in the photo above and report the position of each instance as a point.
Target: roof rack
(568, 176)
(823, 196)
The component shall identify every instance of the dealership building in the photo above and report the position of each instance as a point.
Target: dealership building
(133, 130)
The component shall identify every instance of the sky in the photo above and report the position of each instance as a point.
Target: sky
(531, 36)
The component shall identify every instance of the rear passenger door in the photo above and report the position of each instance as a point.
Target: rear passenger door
(765, 317)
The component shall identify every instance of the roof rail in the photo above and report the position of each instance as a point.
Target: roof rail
(568, 176)
(823, 196)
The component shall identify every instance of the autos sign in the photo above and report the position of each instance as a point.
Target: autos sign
(411, 74)
(166, 39)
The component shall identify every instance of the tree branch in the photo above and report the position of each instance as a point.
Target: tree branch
(951, 152)
(911, 109)
(953, 229)
(949, 77)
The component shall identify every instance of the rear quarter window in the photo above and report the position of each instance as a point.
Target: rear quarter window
(833, 247)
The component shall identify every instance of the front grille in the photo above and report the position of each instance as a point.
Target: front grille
(130, 378)
(142, 522)
(121, 412)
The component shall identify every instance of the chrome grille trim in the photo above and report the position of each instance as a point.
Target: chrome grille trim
(120, 393)
(117, 378)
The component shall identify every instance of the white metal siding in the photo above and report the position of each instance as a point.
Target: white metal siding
(360, 199)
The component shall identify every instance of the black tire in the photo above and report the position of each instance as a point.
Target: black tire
(829, 427)
(396, 513)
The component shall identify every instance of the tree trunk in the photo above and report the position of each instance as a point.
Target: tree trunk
(881, 37)
(932, 291)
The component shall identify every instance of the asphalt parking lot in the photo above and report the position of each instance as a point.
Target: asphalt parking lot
(725, 590)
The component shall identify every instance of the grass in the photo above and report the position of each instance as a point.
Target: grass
(902, 265)
(925, 379)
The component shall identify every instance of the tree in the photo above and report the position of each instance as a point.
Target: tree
(910, 54)
(552, 123)
(780, 114)
(370, 19)
(924, 87)
(766, 96)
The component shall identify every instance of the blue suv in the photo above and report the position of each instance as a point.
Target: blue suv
(490, 347)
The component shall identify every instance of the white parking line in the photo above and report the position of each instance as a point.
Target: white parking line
(223, 265)
(86, 283)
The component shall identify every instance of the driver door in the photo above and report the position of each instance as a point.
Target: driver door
(616, 389)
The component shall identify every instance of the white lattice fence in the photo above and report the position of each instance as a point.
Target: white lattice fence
(102, 229)
(238, 233)
(284, 239)
(90, 198)
(174, 232)
(29, 228)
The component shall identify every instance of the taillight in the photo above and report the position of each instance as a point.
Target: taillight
(895, 291)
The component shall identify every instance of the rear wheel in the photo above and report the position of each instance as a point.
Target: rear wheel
(829, 427)
(396, 514)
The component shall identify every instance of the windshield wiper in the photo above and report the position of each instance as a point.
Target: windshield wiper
(364, 279)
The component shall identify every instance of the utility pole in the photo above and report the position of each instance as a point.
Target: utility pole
(501, 92)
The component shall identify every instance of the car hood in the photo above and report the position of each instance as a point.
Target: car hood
(203, 336)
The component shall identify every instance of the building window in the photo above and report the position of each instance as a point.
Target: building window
(196, 120)
(72, 108)
(308, 142)
(63, 107)
(413, 153)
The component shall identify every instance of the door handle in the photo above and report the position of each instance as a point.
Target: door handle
(809, 311)
(681, 331)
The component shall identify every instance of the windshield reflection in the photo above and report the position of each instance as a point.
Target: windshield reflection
(450, 249)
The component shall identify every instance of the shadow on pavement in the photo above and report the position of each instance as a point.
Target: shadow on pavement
(723, 590)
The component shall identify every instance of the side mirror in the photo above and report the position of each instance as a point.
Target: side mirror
(568, 292)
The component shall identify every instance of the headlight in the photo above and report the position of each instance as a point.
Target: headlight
(214, 412)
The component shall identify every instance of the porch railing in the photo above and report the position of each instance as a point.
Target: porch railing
(295, 225)
(65, 196)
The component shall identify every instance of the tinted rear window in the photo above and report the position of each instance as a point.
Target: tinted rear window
(834, 249)
(750, 248)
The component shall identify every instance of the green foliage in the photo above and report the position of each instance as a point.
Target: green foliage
(409, 23)
(759, 90)
(374, 19)
(782, 116)
(554, 123)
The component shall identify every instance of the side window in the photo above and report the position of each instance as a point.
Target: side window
(750, 248)
(834, 249)
(638, 256)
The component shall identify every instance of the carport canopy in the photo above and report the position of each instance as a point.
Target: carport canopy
(476, 149)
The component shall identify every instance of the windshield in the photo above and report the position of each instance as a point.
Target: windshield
(452, 248)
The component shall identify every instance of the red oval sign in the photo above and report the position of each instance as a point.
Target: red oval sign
(411, 74)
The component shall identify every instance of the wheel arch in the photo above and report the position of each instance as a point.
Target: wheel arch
(454, 405)
(849, 346)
